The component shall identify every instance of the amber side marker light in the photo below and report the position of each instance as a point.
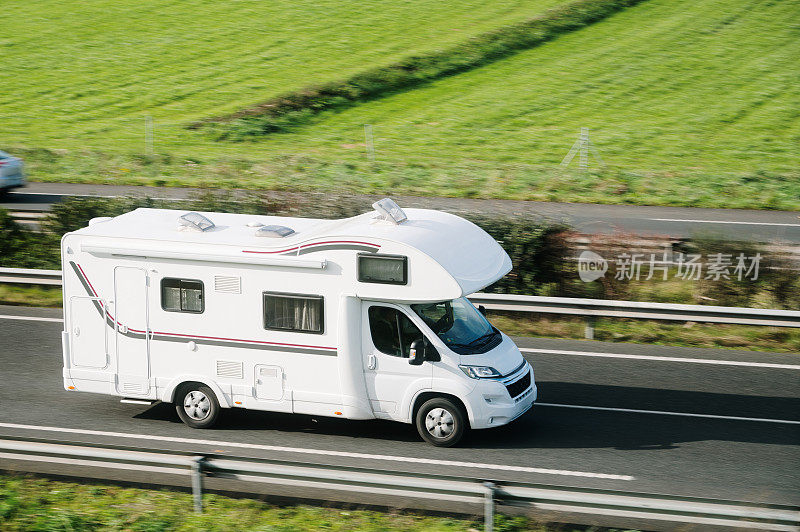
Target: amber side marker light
(238, 402)
(338, 413)
(71, 387)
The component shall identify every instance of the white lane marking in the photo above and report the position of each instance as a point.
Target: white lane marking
(660, 359)
(29, 318)
(664, 413)
(343, 454)
(721, 222)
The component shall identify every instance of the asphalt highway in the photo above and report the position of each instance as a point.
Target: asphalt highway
(677, 421)
(677, 222)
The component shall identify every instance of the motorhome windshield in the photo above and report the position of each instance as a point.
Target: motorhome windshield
(459, 325)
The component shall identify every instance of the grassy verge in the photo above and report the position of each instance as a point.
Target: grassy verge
(744, 337)
(34, 504)
(30, 296)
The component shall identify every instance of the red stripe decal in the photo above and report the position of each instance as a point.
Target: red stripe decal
(303, 246)
(205, 337)
(281, 251)
(245, 341)
(340, 242)
(86, 277)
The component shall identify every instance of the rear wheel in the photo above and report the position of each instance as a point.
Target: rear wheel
(441, 422)
(197, 406)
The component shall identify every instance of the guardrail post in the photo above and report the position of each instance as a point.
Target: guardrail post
(197, 483)
(589, 331)
(488, 506)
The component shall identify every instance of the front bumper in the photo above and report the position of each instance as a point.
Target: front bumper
(492, 406)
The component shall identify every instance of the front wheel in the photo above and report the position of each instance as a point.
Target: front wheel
(440, 422)
(197, 406)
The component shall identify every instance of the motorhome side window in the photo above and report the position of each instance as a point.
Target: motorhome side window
(392, 331)
(182, 295)
(386, 269)
(293, 312)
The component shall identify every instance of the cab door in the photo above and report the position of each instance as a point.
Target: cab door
(387, 337)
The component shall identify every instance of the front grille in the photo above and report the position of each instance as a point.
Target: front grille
(517, 387)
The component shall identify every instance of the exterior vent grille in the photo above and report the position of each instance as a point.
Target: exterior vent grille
(132, 387)
(228, 368)
(269, 371)
(228, 285)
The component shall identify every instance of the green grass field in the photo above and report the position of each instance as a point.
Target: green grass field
(689, 103)
(93, 70)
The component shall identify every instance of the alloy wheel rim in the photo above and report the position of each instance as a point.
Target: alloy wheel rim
(196, 405)
(439, 423)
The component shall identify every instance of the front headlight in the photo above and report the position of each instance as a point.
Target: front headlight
(480, 372)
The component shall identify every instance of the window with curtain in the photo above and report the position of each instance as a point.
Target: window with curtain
(293, 312)
(182, 295)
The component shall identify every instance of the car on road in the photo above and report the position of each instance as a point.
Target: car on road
(12, 173)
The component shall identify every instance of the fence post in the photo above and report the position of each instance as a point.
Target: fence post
(149, 136)
(369, 142)
(197, 483)
(584, 140)
(488, 506)
(589, 331)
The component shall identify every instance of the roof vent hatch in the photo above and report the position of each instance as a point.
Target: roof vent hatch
(390, 211)
(274, 231)
(194, 221)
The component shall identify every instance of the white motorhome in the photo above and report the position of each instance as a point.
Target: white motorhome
(360, 318)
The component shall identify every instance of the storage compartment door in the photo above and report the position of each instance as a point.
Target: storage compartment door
(269, 383)
(132, 332)
(88, 333)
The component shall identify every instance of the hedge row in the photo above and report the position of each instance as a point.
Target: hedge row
(284, 112)
(536, 247)
(539, 249)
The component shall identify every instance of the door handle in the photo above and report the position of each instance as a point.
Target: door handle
(372, 362)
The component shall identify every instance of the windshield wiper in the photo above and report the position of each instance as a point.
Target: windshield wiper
(489, 336)
(457, 344)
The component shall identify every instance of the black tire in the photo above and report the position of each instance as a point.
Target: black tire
(197, 405)
(446, 425)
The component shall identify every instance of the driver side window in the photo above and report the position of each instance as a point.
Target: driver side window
(392, 331)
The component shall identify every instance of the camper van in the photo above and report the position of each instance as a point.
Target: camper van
(360, 318)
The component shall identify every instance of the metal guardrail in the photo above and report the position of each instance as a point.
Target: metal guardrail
(30, 276)
(588, 308)
(408, 486)
(30, 218)
(609, 308)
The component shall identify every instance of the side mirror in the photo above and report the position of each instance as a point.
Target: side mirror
(416, 355)
(482, 309)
